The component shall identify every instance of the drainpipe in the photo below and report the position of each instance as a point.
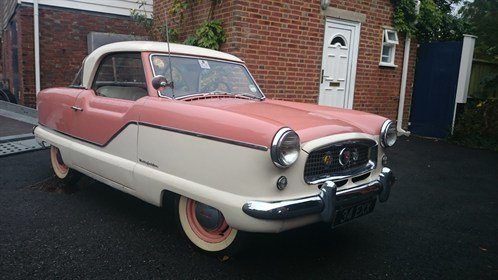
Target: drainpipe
(404, 77)
(37, 46)
(402, 91)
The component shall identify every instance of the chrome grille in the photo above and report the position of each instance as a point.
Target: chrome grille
(325, 163)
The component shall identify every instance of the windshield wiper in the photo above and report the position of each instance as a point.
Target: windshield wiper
(248, 95)
(220, 92)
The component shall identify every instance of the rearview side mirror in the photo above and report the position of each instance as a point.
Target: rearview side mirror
(160, 83)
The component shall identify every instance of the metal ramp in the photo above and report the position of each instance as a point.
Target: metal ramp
(18, 144)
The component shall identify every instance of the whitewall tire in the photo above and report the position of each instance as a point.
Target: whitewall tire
(205, 227)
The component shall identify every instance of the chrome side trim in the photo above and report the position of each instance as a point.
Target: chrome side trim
(206, 136)
(191, 133)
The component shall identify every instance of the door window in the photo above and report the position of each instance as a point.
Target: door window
(338, 40)
(121, 76)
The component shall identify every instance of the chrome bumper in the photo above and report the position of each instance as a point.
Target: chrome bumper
(324, 203)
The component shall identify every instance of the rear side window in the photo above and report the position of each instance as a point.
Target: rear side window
(121, 76)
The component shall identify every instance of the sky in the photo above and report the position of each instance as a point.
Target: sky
(457, 7)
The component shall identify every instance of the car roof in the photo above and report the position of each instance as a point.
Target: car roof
(91, 61)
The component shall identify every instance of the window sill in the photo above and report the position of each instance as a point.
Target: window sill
(383, 64)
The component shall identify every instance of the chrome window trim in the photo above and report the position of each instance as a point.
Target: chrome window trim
(368, 167)
(206, 58)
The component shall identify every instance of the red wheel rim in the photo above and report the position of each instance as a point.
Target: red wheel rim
(215, 235)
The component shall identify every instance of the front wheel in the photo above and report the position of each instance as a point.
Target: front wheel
(205, 227)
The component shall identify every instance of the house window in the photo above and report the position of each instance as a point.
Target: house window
(389, 42)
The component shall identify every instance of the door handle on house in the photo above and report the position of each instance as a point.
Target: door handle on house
(322, 78)
(76, 109)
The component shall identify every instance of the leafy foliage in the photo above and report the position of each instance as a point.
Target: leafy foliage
(141, 17)
(405, 16)
(174, 36)
(488, 87)
(177, 9)
(482, 16)
(478, 125)
(434, 22)
(209, 35)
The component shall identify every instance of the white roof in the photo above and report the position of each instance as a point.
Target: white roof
(92, 60)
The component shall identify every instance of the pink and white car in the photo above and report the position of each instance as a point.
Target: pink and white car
(194, 126)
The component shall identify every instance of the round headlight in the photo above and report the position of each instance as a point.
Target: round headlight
(285, 147)
(388, 134)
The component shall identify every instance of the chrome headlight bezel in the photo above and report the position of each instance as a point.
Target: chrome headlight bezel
(388, 134)
(277, 156)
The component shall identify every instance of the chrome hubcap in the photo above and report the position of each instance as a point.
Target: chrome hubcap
(208, 217)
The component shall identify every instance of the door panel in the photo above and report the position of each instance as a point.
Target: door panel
(338, 63)
(108, 125)
(110, 114)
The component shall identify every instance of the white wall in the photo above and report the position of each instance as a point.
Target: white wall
(7, 8)
(116, 7)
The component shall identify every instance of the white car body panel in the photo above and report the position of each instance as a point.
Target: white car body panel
(221, 175)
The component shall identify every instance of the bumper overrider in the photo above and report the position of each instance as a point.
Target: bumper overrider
(326, 203)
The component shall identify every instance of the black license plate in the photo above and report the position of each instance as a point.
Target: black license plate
(347, 214)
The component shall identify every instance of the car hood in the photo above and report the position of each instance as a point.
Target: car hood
(308, 120)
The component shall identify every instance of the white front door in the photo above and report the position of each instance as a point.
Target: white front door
(340, 52)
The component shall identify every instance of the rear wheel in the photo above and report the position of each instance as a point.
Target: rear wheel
(66, 175)
(206, 228)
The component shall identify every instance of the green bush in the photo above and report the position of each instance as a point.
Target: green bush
(477, 126)
(209, 35)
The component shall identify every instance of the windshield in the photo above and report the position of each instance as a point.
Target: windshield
(204, 76)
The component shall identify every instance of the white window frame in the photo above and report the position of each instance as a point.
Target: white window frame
(387, 43)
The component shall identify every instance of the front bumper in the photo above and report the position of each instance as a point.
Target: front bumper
(324, 203)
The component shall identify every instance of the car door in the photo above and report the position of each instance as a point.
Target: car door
(106, 119)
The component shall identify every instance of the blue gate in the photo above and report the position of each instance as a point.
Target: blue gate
(434, 93)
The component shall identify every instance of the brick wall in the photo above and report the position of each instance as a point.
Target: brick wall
(63, 44)
(9, 43)
(197, 15)
(281, 42)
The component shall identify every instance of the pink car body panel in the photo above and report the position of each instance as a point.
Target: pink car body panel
(240, 120)
(54, 108)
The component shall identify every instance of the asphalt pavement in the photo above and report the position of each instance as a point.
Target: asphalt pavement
(441, 222)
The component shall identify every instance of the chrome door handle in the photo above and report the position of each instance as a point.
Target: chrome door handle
(76, 109)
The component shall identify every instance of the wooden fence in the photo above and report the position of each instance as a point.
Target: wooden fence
(484, 79)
